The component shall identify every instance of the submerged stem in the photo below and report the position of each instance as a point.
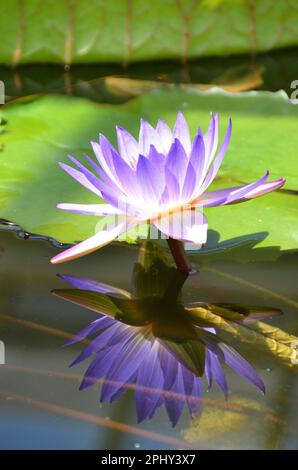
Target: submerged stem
(179, 255)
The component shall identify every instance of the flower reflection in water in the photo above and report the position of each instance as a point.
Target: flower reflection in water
(151, 342)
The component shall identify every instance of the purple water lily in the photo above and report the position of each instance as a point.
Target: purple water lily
(163, 358)
(154, 180)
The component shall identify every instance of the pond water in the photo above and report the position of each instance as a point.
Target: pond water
(41, 406)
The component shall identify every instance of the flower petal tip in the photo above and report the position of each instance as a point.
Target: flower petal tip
(263, 389)
(279, 183)
(57, 259)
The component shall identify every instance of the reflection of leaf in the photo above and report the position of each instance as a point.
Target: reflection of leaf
(234, 80)
(118, 31)
(263, 336)
(275, 334)
(236, 312)
(41, 132)
(128, 87)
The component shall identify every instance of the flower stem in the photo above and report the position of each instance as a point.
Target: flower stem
(178, 253)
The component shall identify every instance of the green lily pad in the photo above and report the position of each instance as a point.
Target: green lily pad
(41, 131)
(126, 31)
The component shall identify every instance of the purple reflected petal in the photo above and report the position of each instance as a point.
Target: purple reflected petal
(175, 399)
(95, 346)
(241, 366)
(100, 365)
(169, 366)
(94, 327)
(111, 336)
(126, 365)
(89, 284)
(194, 401)
(121, 390)
(218, 373)
(208, 369)
(150, 377)
(159, 403)
(188, 380)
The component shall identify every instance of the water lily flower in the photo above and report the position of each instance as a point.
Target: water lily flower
(161, 179)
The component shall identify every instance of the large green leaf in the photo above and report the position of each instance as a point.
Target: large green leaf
(74, 31)
(42, 131)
